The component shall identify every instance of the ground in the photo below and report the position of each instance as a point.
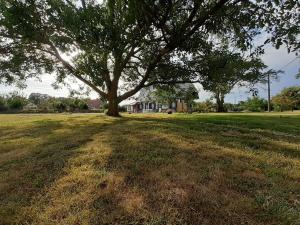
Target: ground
(150, 169)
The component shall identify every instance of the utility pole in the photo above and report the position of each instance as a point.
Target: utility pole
(269, 94)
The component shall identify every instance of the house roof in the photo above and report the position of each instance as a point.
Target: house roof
(94, 103)
(145, 94)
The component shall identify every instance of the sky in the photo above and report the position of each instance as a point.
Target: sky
(274, 59)
(277, 60)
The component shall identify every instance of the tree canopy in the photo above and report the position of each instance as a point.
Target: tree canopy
(117, 47)
(222, 69)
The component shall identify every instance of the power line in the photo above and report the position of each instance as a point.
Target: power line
(269, 82)
(297, 57)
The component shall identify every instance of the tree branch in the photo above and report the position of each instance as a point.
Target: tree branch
(148, 72)
(83, 4)
(69, 67)
(71, 4)
(172, 82)
(199, 22)
(171, 46)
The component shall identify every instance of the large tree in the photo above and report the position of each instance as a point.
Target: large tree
(112, 43)
(222, 69)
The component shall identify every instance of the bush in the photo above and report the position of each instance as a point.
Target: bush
(229, 107)
(59, 106)
(287, 99)
(205, 107)
(255, 104)
(78, 104)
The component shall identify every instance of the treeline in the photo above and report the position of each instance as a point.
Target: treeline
(41, 103)
(287, 100)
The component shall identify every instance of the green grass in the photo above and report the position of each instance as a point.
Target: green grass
(150, 169)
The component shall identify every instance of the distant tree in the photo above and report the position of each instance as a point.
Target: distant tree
(221, 70)
(108, 43)
(15, 101)
(82, 105)
(78, 104)
(189, 95)
(166, 95)
(287, 99)
(59, 105)
(205, 107)
(38, 99)
(255, 104)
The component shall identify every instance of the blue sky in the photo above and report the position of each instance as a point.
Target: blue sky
(275, 59)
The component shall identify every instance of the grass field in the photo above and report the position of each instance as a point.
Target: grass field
(153, 169)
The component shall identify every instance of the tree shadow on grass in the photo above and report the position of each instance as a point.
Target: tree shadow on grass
(47, 145)
(142, 171)
(241, 132)
(163, 178)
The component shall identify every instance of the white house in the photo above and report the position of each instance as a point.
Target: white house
(30, 107)
(145, 102)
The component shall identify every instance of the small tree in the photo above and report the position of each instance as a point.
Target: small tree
(189, 95)
(255, 104)
(288, 98)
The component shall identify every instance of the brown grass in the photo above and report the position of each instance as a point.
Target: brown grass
(150, 169)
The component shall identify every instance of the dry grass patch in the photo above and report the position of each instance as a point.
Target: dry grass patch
(150, 169)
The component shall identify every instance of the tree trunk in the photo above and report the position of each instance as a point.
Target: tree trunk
(220, 103)
(113, 108)
(113, 103)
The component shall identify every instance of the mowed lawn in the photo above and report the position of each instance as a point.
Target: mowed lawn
(150, 169)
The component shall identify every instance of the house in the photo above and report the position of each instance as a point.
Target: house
(94, 104)
(30, 107)
(146, 102)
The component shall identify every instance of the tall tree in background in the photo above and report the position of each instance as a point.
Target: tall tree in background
(221, 70)
(116, 43)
